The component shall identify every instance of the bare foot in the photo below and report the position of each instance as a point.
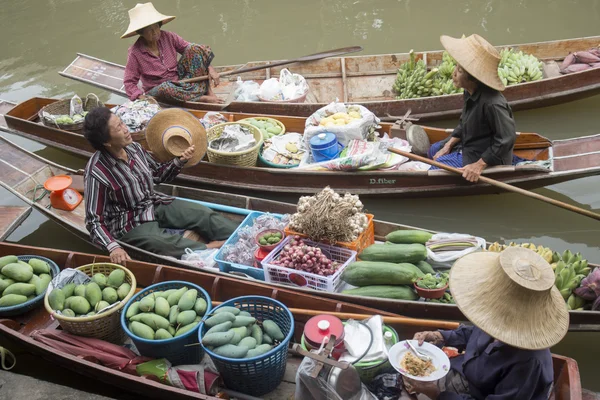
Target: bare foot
(215, 244)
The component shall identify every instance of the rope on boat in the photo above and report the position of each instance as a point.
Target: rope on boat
(38, 186)
(4, 355)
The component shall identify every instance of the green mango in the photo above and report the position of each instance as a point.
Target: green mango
(93, 294)
(39, 266)
(110, 295)
(18, 272)
(116, 278)
(56, 299)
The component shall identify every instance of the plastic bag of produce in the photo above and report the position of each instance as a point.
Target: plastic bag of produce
(200, 258)
(445, 248)
(345, 122)
(202, 378)
(136, 114)
(76, 106)
(211, 119)
(246, 90)
(292, 85)
(270, 90)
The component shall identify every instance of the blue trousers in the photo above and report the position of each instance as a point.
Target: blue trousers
(455, 159)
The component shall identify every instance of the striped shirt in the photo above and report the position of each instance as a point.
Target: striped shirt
(152, 70)
(120, 195)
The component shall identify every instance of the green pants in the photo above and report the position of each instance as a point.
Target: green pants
(151, 236)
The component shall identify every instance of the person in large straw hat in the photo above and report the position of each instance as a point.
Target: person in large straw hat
(153, 60)
(517, 313)
(486, 133)
(120, 201)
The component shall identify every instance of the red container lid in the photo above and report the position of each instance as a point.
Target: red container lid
(260, 254)
(322, 326)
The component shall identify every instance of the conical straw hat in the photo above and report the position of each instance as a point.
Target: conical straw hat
(170, 132)
(511, 296)
(143, 15)
(477, 56)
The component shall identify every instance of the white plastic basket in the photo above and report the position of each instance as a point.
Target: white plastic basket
(289, 276)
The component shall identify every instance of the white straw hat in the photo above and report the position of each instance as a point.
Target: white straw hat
(170, 132)
(511, 296)
(477, 56)
(143, 15)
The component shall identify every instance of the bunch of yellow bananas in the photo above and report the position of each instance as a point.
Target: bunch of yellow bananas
(544, 252)
(518, 67)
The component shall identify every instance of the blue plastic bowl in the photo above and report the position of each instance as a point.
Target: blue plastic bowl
(37, 300)
(262, 374)
(173, 349)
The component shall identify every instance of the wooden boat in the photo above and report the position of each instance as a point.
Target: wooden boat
(10, 219)
(368, 80)
(570, 159)
(21, 171)
(16, 331)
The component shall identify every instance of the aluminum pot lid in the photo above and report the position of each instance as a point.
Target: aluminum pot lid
(418, 139)
(346, 382)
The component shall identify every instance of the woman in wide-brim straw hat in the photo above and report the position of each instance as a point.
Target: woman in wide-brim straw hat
(517, 313)
(121, 204)
(486, 133)
(153, 60)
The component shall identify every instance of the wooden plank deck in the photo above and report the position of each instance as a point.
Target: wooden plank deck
(10, 218)
(5, 106)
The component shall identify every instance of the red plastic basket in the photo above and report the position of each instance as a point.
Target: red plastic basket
(289, 276)
(364, 240)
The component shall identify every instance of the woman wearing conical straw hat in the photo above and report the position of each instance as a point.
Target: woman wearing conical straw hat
(517, 315)
(486, 134)
(153, 60)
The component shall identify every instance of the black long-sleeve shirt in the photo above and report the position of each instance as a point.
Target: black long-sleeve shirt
(487, 128)
(497, 371)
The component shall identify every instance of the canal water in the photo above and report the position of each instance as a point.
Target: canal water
(40, 38)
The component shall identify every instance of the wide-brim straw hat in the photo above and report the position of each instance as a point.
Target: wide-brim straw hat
(511, 296)
(170, 132)
(143, 15)
(477, 56)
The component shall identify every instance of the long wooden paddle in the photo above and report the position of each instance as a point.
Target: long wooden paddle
(312, 57)
(501, 185)
(424, 323)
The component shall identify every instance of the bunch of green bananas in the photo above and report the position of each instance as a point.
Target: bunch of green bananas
(566, 279)
(575, 302)
(580, 265)
(413, 80)
(518, 67)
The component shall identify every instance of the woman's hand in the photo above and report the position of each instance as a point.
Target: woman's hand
(119, 256)
(442, 152)
(433, 337)
(212, 99)
(187, 154)
(214, 76)
(429, 389)
(472, 171)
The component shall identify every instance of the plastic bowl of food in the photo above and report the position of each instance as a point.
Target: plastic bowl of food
(430, 293)
(269, 238)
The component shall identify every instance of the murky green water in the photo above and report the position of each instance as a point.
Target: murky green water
(40, 38)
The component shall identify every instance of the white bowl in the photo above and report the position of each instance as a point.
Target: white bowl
(440, 360)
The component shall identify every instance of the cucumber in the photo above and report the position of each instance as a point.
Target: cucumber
(367, 273)
(217, 338)
(231, 351)
(394, 253)
(408, 236)
(384, 291)
(425, 267)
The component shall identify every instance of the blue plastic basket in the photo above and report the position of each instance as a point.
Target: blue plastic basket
(37, 300)
(257, 375)
(226, 266)
(173, 349)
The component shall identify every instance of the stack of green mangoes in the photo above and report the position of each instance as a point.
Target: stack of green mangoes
(166, 314)
(517, 67)
(22, 281)
(266, 126)
(236, 334)
(86, 300)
